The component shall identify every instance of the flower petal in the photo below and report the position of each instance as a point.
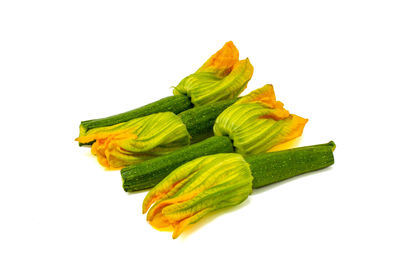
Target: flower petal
(264, 95)
(182, 225)
(166, 188)
(223, 61)
(137, 140)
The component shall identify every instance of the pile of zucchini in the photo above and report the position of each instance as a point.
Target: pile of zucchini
(266, 167)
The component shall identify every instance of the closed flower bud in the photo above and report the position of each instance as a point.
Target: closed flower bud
(222, 77)
(137, 140)
(195, 189)
(257, 122)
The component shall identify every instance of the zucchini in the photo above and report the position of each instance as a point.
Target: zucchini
(148, 173)
(175, 104)
(199, 121)
(266, 168)
(273, 167)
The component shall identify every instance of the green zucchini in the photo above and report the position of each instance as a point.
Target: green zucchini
(266, 168)
(273, 167)
(199, 121)
(148, 173)
(175, 104)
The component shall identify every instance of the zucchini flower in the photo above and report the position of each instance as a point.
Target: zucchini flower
(221, 77)
(137, 140)
(217, 181)
(195, 189)
(250, 125)
(258, 122)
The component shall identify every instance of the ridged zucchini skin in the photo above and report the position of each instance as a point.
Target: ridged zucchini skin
(273, 167)
(149, 173)
(200, 120)
(175, 104)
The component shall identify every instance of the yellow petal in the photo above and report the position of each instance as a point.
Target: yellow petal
(172, 183)
(159, 206)
(158, 221)
(264, 95)
(293, 128)
(182, 225)
(277, 113)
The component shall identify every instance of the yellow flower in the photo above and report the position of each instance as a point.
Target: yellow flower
(195, 189)
(221, 77)
(257, 122)
(137, 140)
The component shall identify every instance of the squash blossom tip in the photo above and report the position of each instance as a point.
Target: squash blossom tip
(221, 77)
(197, 188)
(137, 140)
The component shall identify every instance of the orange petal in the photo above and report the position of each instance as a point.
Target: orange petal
(159, 221)
(264, 95)
(222, 62)
(293, 128)
(277, 113)
(182, 225)
(158, 207)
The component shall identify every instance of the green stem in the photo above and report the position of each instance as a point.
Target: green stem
(175, 104)
(273, 167)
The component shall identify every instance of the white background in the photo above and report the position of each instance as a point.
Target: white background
(336, 63)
